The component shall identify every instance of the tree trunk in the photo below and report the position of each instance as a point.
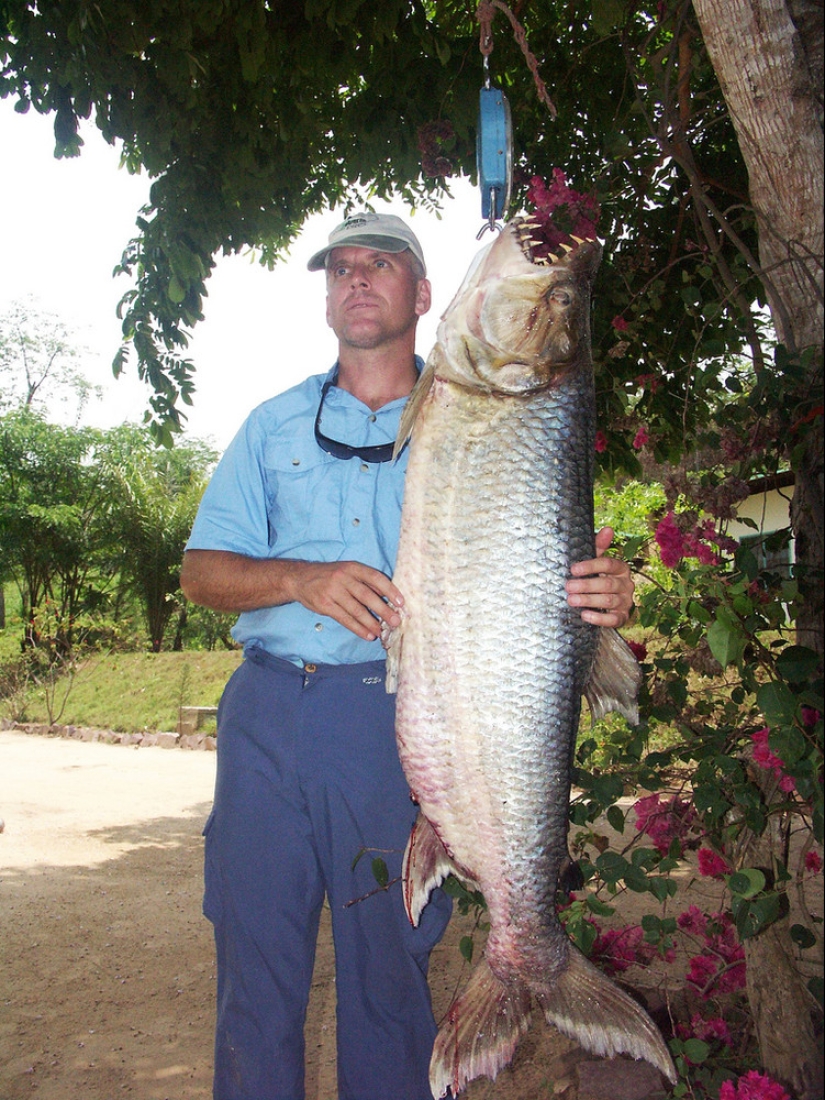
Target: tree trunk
(767, 55)
(768, 58)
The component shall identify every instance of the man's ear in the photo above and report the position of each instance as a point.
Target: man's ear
(423, 297)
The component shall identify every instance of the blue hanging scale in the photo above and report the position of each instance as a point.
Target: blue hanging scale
(494, 151)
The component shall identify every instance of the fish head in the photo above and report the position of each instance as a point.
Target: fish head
(519, 321)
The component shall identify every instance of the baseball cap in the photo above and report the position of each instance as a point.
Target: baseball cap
(384, 232)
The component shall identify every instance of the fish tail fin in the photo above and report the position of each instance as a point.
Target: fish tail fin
(614, 679)
(479, 1034)
(590, 1008)
(426, 865)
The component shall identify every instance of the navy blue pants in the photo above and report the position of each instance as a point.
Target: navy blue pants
(308, 776)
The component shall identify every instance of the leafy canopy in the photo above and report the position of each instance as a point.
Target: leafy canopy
(251, 114)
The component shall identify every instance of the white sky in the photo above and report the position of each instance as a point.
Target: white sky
(65, 224)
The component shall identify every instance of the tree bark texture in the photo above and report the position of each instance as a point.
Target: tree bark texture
(767, 55)
(768, 58)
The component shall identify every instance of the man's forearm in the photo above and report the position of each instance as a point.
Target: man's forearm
(230, 582)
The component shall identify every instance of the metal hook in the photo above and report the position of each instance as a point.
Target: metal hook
(491, 223)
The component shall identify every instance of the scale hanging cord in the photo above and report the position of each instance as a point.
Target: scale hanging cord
(494, 142)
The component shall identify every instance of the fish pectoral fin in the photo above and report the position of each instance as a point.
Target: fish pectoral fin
(586, 1005)
(413, 406)
(480, 1032)
(392, 641)
(615, 678)
(426, 865)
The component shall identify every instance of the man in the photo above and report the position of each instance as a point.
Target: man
(298, 532)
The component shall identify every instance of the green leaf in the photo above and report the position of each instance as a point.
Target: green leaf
(695, 1050)
(616, 818)
(176, 291)
(747, 883)
(727, 642)
(465, 946)
(797, 663)
(380, 872)
(752, 916)
(803, 937)
(599, 907)
(777, 702)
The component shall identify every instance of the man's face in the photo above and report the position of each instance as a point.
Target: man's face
(373, 297)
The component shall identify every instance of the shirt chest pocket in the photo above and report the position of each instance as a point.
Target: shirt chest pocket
(306, 489)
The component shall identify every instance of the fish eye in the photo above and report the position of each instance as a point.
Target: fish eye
(560, 295)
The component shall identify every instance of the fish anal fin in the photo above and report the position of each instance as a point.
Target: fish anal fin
(590, 1008)
(413, 406)
(479, 1034)
(426, 865)
(615, 678)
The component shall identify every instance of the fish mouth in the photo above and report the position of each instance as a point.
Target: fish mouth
(532, 237)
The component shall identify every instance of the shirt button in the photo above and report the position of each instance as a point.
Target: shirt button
(373, 417)
(296, 462)
(319, 626)
(356, 522)
(365, 467)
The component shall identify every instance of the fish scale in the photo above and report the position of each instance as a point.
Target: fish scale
(490, 662)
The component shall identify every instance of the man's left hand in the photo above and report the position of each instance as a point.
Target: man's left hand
(602, 587)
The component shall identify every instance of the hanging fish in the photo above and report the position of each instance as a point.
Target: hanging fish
(490, 662)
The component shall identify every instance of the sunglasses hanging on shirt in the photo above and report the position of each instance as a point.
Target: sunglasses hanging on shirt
(382, 452)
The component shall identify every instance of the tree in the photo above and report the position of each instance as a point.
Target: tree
(53, 502)
(37, 361)
(155, 497)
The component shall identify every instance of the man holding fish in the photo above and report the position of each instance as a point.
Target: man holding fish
(298, 533)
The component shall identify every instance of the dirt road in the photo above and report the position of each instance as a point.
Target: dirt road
(106, 963)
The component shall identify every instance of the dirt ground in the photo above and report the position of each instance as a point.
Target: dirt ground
(106, 964)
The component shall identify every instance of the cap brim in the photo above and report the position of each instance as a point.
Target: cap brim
(366, 240)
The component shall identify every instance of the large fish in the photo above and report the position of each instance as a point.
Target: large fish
(490, 663)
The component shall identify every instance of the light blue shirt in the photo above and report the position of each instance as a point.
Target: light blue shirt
(276, 494)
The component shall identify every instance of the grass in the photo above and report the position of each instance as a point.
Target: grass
(131, 692)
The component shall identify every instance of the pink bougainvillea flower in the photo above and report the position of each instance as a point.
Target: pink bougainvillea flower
(701, 970)
(813, 862)
(664, 820)
(647, 382)
(641, 438)
(753, 1086)
(720, 968)
(766, 758)
(561, 212)
(670, 541)
(617, 949)
(693, 920)
(713, 1029)
(638, 649)
(601, 442)
(619, 324)
(711, 864)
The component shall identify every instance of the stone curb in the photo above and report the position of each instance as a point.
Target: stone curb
(165, 739)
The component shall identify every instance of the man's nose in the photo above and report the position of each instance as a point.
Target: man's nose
(359, 276)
